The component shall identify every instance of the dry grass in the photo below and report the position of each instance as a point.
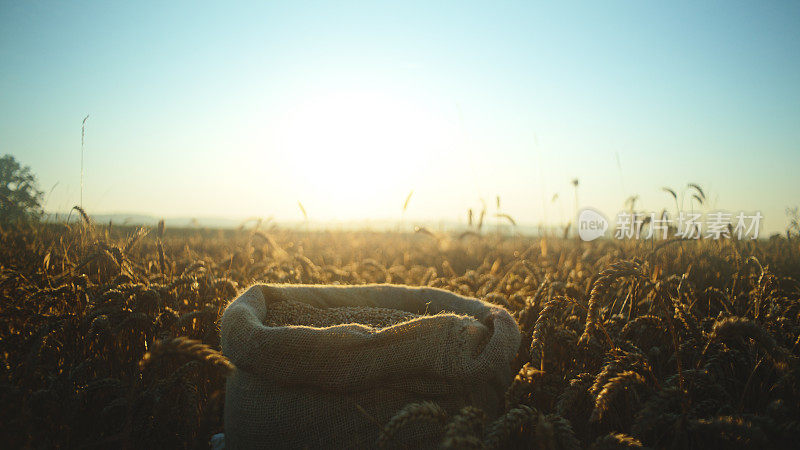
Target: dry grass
(685, 344)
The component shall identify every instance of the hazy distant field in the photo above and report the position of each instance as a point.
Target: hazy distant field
(82, 304)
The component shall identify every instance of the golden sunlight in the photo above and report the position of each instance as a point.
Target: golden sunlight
(358, 150)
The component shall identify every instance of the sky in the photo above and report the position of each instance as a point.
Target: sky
(239, 109)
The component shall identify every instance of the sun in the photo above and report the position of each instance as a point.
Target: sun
(355, 153)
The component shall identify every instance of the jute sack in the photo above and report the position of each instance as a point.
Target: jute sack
(327, 366)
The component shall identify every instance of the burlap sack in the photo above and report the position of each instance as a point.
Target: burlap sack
(335, 386)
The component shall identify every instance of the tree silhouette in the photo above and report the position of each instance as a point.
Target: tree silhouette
(19, 194)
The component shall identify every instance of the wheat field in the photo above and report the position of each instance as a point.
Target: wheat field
(110, 335)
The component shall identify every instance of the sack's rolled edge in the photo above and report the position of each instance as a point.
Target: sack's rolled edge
(246, 340)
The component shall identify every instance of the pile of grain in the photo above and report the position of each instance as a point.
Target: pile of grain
(286, 313)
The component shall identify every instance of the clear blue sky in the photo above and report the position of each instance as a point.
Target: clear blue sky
(239, 109)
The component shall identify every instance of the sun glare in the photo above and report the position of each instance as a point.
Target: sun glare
(359, 152)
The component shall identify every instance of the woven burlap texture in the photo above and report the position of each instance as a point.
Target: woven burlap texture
(334, 386)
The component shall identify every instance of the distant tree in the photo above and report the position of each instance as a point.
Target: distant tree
(20, 197)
